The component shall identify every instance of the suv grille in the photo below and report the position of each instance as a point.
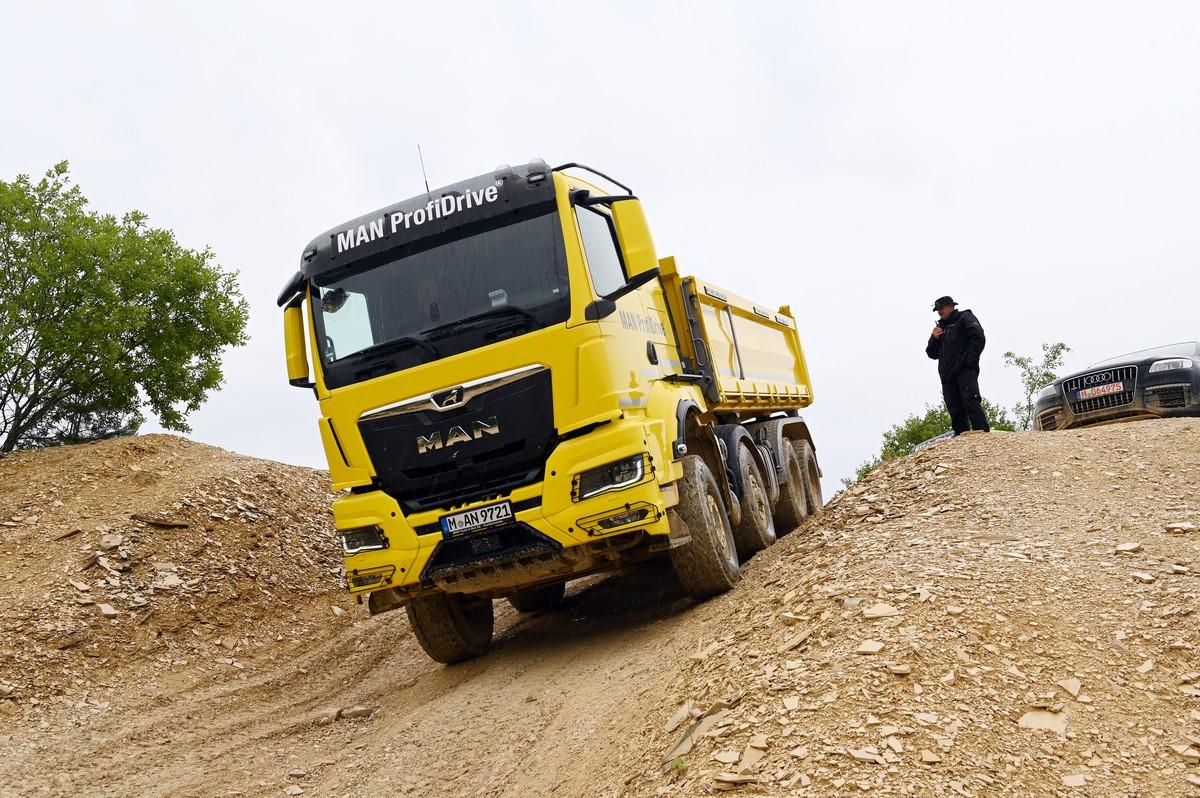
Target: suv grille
(1048, 422)
(1124, 374)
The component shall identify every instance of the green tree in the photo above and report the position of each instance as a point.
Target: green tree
(1034, 377)
(901, 439)
(101, 317)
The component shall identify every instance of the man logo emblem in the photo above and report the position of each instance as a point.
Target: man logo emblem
(450, 398)
(460, 433)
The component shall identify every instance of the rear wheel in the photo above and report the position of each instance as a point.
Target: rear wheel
(792, 508)
(708, 563)
(452, 627)
(757, 529)
(812, 478)
(538, 598)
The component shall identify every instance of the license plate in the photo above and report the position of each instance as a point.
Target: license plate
(1102, 390)
(479, 518)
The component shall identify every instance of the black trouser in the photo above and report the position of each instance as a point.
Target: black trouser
(963, 401)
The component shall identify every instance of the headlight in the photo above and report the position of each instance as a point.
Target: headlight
(614, 476)
(1171, 365)
(364, 538)
(1048, 392)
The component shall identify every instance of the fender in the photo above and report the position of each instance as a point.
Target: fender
(679, 445)
(705, 444)
(732, 435)
(772, 432)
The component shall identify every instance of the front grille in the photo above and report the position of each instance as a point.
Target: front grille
(496, 440)
(1169, 396)
(1048, 422)
(1124, 374)
(486, 548)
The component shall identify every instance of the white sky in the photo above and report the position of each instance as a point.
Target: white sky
(1039, 161)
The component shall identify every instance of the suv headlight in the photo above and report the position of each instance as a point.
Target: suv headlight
(614, 476)
(1048, 392)
(1171, 364)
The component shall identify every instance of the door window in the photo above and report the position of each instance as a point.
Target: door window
(600, 247)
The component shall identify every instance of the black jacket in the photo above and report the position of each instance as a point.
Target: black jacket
(960, 346)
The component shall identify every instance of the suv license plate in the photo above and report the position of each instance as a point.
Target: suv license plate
(1102, 390)
(478, 518)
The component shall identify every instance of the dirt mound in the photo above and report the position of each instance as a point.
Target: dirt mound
(1005, 614)
(150, 551)
(1009, 614)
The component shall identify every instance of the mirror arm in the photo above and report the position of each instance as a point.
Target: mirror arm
(581, 196)
(607, 305)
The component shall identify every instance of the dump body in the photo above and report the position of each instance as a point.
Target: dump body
(751, 354)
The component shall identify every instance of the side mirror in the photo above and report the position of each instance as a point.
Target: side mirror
(293, 342)
(634, 234)
(295, 285)
(601, 308)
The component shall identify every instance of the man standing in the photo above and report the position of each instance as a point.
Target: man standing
(956, 344)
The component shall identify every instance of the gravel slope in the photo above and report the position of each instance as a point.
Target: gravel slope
(1024, 614)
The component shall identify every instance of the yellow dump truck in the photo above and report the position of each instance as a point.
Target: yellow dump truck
(516, 391)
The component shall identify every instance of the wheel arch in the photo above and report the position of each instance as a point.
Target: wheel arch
(733, 435)
(698, 437)
(773, 431)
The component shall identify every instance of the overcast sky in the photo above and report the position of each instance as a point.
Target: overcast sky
(1039, 161)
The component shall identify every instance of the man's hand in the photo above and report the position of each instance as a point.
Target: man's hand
(937, 332)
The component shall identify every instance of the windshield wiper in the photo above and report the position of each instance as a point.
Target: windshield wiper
(452, 327)
(395, 344)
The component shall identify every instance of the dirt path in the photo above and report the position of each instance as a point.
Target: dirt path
(1007, 581)
(546, 713)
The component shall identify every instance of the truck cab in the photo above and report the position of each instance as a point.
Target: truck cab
(515, 391)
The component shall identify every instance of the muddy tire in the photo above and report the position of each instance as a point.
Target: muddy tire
(757, 529)
(545, 597)
(452, 627)
(812, 478)
(708, 563)
(792, 507)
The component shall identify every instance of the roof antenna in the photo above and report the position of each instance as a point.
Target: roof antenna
(422, 157)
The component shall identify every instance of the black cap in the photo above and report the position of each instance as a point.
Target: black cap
(942, 302)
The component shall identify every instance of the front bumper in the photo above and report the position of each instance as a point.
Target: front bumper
(1160, 395)
(550, 537)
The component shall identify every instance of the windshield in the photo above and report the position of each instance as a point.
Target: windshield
(442, 300)
(1186, 349)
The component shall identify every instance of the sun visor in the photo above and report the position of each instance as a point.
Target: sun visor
(441, 213)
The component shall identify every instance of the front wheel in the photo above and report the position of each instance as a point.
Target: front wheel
(708, 563)
(452, 627)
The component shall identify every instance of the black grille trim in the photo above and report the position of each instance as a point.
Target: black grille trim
(455, 496)
(488, 547)
(494, 442)
(1169, 397)
(1123, 374)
